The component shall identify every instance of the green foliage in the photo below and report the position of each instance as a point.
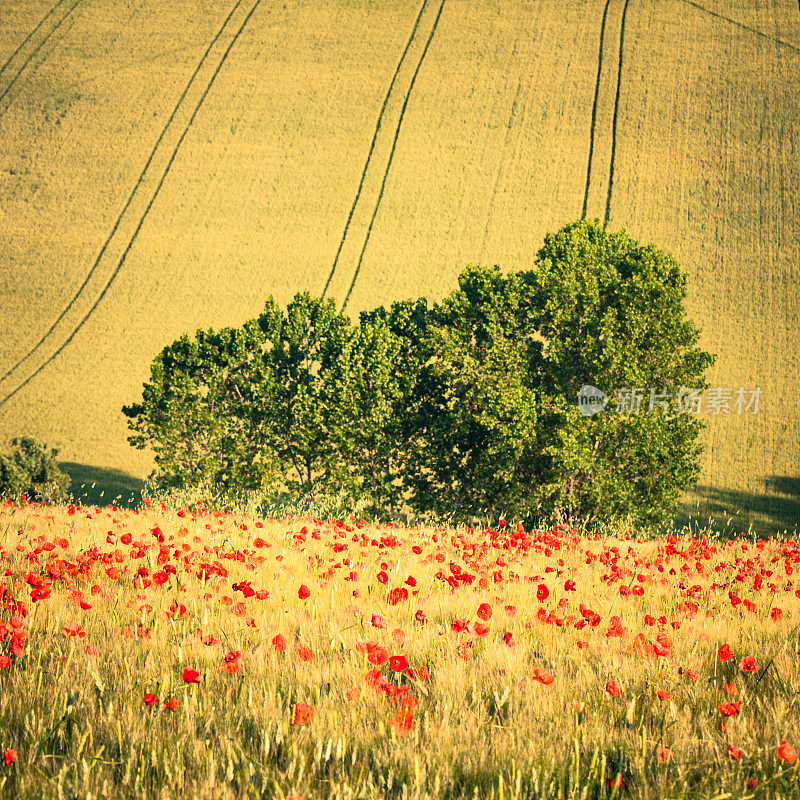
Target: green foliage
(198, 413)
(612, 315)
(295, 402)
(464, 409)
(31, 470)
(476, 443)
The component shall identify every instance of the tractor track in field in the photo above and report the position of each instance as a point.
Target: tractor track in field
(36, 44)
(372, 147)
(600, 109)
(616, 113)
(29, 36)
(593, 126)
(120, 218)
(392, 152)
(744, 27)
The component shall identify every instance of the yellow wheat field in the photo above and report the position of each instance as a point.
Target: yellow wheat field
(165, 167)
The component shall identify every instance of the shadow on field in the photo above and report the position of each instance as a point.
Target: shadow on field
(98, 486)
(774, 511)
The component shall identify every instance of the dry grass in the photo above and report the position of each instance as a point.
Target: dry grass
(492, 153)
(483, 727)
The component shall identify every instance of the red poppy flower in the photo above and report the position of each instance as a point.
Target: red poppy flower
(725, 653)
(662, 695)
(230, 666)
(398, 663)
(786, 752)
(306, 653)
(279, 642)
(748, 664)
(304, 592)
(172, 704)
(484, 612)
(10, 757)
(403, 721)
(735, 753)
(481, 629)
(420, 617)
(302, 713)
(729, 709)
(612, 687)
(730, 688)
(542, 592)
(373, 678)
(5, 662)
(191, 676)
(150, 699)
(383, 577)
(543, 676)
(378, 621)
(663, 754)
(378, 656)
(397, 595)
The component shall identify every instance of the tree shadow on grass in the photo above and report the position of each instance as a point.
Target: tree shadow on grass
(728, 512)
(99, 486)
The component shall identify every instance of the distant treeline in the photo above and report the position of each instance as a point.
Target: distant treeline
(458, 409)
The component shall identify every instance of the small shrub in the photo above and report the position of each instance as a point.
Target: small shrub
(31, 470)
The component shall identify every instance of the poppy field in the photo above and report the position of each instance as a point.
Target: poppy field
(164, 652)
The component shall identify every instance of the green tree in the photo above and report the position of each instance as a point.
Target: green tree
(461, 409)
(301, 412)
(475, 444)
(612, 315)
(497, 424)
(200, 413)
(366, 389)
(31, 470)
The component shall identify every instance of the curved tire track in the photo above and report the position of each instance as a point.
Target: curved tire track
(592, 129)
(616, 113)
(391, 154)
(744, 27)
(372, 146)
(128, 202)
(149, 205)
(29, 36)
(36, 48)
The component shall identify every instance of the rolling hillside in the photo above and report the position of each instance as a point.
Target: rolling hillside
(166, 167)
